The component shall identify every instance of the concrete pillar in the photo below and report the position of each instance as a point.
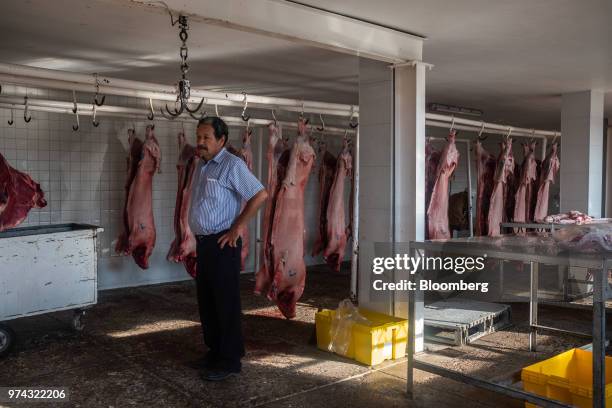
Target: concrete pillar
(392, 178)
(582, 152)
(608, 170)
(375, 174)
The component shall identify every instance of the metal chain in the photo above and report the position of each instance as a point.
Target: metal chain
(184, 52)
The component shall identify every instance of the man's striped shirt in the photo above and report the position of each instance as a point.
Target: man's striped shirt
(219, 188)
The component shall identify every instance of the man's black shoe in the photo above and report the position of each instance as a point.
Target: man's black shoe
(217, 374)
(208, 361)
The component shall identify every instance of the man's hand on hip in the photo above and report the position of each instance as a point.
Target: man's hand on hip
(230, 237)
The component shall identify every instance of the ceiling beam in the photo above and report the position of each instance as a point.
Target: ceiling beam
(301, 24)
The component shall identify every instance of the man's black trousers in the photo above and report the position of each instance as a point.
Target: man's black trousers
(218, 285)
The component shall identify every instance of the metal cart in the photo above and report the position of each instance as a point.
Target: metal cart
(46, 269)
(534, 255)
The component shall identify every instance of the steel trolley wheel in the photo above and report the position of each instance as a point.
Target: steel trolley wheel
(7, 339)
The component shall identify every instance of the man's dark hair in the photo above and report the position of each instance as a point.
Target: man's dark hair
(218, 125)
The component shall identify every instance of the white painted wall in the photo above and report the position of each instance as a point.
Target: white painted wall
(83, 173)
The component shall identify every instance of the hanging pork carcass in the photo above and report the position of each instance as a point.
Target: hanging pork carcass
(327, 168)
(528, 174)
(432, 157)
(18, 195)
(276, 147)
(183, 248)
(246, 153)
(485, 173)
(286, 247)
(138, 236)
(550, 168)
(503, 173)
(437, 211)
(337, 230)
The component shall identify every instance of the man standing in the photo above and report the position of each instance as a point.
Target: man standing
(221, 182)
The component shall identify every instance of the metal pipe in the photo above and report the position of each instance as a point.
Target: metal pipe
(355, 222)
(471, 128)
(489, 126)
(43, 105)
(107, 84)
(155, 95)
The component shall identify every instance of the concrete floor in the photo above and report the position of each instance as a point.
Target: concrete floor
(136, 343)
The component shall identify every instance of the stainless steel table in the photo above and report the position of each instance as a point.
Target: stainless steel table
(538, 251)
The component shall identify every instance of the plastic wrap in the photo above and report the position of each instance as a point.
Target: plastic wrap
(342, 326)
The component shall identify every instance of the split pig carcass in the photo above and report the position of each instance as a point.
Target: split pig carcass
(528, 174)
(283, 272)
(437, 211)
(550, 168)
(278, 157)
(485, 172)
(337, 231)
(183, 248)
(326, 179)
(138, 236)
(246, 154)
(503, 174)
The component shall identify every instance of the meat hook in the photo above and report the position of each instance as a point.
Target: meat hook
(151, 116)
(26, 118)
(322, 128)
(351, 124)
(101, 102)
(93, 121)
(274, 117)
(480, 137)
(196, 109)
(243, 115)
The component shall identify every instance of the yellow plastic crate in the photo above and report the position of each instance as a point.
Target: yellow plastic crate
(384, 339)
(567, 377)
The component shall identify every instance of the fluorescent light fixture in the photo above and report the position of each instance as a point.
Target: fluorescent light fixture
(455, 110)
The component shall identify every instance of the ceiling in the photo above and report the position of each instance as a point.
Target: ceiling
(510, 59)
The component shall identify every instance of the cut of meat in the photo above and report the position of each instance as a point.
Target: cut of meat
(247, 155)
(183, 248)
(18, 195)
(326, 179)
(485, 169)
(570, 217)
(138, 237)
(534, 190)
(263, 278)
(337, 231)
(287, 235)
(511, 187)
(550, 168)
(432, 157)
(503, 173)
(528, 174)
(437, 211)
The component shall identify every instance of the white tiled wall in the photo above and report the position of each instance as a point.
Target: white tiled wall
(83, 174)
